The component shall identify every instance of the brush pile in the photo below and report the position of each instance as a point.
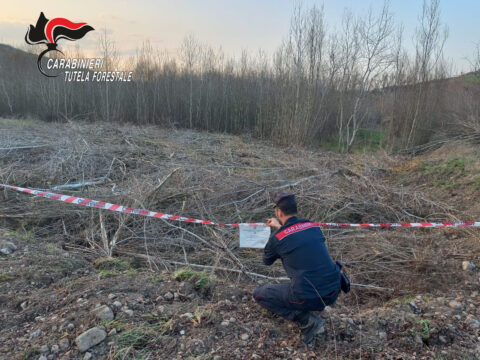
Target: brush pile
(222, 178)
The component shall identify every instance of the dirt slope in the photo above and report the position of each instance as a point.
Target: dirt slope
(48, 297)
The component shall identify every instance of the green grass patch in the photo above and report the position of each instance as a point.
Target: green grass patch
(453, 167)
(4, 277)
(109, 267)
(456, 166)
(132, 272)
(366, 141)
(184, 274)
(401, 301)
(156, 278)
(26, 235)
(203, 281)
(447, 175)
(200, 279)
(17, 122)
(107, 273)
(422, 328)
(142, 336)
(138, 341)
(371, 139)
(471, 79)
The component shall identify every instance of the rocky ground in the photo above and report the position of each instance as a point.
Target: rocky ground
(56, 304)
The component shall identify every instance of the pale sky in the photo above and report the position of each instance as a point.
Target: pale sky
(233, 25)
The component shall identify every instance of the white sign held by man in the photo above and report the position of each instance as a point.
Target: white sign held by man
(254, 236)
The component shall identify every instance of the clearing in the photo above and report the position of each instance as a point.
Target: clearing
(57, 280)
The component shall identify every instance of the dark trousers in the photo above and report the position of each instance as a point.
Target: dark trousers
(279, 299)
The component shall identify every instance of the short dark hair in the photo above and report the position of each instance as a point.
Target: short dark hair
(286, 202)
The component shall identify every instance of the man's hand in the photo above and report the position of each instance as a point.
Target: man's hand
(273, 223)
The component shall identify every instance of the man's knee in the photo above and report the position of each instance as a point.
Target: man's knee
(257, 293)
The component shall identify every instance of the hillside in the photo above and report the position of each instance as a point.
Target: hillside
(12, 59)
(57, 282)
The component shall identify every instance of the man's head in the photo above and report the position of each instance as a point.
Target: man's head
(285, 206)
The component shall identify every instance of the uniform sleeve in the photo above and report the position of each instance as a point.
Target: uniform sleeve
(270, 251)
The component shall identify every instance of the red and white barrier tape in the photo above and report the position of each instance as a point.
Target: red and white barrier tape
(114, 207)
(128, 210)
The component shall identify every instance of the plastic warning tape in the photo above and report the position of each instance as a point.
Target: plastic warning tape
(114, 207)
(129, 210)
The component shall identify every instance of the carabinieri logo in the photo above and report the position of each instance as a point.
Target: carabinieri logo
(50, 31)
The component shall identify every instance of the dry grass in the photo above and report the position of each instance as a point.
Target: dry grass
(227, 179)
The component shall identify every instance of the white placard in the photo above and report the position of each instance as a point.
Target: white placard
(254, 236)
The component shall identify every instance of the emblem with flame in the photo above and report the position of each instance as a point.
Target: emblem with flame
(48, 32)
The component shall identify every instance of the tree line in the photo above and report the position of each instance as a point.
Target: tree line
(321, 85)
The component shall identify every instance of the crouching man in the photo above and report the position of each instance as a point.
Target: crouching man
(315, 278)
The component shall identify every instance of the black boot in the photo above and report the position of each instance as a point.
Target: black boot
(313, 327)
(302, 317)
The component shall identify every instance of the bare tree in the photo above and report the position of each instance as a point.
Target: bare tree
(364, 57)
(189, 53)
(475, 61)
(110, 56)
(429, 48)
(5, 92)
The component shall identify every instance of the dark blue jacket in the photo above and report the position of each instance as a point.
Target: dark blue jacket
(301, 246)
